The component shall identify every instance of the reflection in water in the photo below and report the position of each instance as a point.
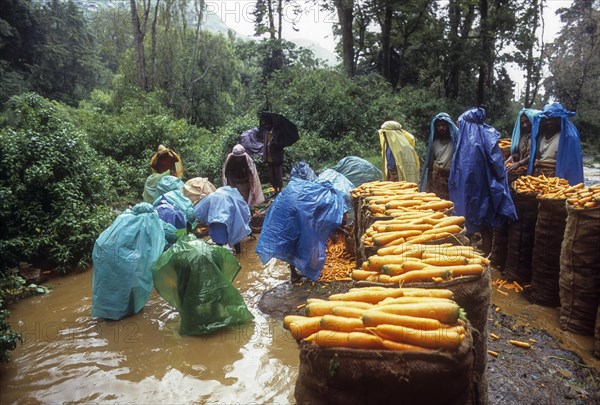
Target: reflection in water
(69, 356)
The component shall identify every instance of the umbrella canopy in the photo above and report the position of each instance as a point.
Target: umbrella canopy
(285, 132)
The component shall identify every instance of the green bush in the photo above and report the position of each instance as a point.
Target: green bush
(53, 185)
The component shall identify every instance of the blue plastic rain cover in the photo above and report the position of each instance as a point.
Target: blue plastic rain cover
(181, 201)
(303, 171)
(298, 225)
(358, 170)
(169, 213)
(226, 206)
(569, 161)
(478, 183)
(253, 142)
(341, 185)
(453, 137)
(168, 183)
(123, 256)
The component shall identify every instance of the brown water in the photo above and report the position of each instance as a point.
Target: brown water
(67, 356)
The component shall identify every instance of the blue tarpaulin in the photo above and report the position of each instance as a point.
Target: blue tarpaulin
(123, 256)
(298, 225)
(341, 185)
(225, 206)
(478, 182)
(569, 161)
(303, 171)
(166, 184)
(453, 137)
(358, 170)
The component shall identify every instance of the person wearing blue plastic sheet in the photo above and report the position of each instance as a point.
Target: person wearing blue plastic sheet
(442, 142)
(122, 258)
(298, 225)
(227, 216)
(478, 182)
(520, 144)
(556, 150)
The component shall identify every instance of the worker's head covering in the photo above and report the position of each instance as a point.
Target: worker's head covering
(162, 149)
(238, 150)
(392, 125)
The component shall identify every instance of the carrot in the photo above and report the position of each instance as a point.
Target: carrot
(377, 262)
(401, 203)
(374, 318)
(430, 339)
(383, 239)
(406, 227)
(411, 300)
(362, 274)
(446, 261)
(341, 324)
(356, 340)
(517, 343)
(448, 229)
(442, 311)
(437, 206)
(397, 269)
(492, 353)
(348, 312)
(391, 345)
(446, 272)
(427, 237)
(371, 297)
(428, 292)
(325, 307)
(460, 221)
(301, 326)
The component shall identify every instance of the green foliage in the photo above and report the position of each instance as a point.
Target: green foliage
(54, 188)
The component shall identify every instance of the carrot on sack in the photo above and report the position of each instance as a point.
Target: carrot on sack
(341, 324)
(382, 239)
(448, 229)
(376, 262)
(405, 227)
(397, 269)
(437, 206)
(302, 326)
(428, 237)
(411, 300)
(460, 221)
(359, 275)
(391, 345)
(445, 272)
(445, 261)
(371, 297)
(442, 311)
(355, 340)
(325, 307)
(374, 318)
(431, 339)
(428, 292)
(348, 312)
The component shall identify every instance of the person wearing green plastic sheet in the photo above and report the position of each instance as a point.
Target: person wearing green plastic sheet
(520, 145)
(398, 155)
(556, 149)
(196, 278)
(443, 134)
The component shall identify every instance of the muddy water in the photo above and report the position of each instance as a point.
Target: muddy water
(545, 318)
(67, 356)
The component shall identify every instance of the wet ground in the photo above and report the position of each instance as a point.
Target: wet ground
(67, 356)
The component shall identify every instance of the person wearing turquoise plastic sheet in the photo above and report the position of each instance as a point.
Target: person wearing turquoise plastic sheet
(122, 258)
(478, 182)
(298, 225)
(227, 216)
(556, 149)
(438, 160)
(520, 144)
(196, 278)
(398, 155)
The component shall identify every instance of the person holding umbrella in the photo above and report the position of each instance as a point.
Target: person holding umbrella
(278, 132)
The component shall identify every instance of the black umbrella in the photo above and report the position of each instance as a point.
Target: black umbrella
(285, 131)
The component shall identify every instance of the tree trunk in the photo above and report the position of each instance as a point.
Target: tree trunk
(485, 43)
(138, 36)
(345, 15)
(153, 48)
(386, 32)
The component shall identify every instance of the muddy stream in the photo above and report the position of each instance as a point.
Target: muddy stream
(67, 356)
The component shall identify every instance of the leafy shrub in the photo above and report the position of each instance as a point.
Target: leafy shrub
(53, 185)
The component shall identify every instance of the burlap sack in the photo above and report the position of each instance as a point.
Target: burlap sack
(362, 377)
(545, 263)
(579, 280)
(521, 236)
(499, 247)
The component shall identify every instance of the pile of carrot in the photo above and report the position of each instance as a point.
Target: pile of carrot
(406, 201)
(382, 188)
(409, 262)
(412, 227)
(504, 143)
(579, 195)
(406, 319)
(502, 284)
(338, 263)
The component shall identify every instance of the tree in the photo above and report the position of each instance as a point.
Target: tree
(345, 12)
(574, 63)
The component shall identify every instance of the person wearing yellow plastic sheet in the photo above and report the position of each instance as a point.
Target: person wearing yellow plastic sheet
(400, 160)
(196, 278)
(166, 159)
(442, 141)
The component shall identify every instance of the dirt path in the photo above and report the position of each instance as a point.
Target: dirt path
(543, 375)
